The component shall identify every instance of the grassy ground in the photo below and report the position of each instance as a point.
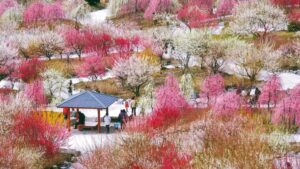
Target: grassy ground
(63, 66)
(136, 19)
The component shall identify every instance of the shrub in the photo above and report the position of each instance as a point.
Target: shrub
(163, 117)
(37, 132)
(233, 144)
(15, 156)
(52, 118)
(35, 93)
(294, 26)
(137, 152)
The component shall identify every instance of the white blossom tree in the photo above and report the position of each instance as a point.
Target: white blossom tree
(55, 85)
(191, 43)
(78, 9)
(253, 17)
(133, 73)
(11, 18)
(215, 55)
(50, 43)
(115, 6)
(250, 60)
(7, 52)
(10, 106)
(187, 86)
(146, 102)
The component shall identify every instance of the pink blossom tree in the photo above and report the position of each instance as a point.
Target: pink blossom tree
(225, 7)
(286, 3)
(156, 6)
(98, 42)
(5, 4)
(196, 13)
(35, 92)
(169, 95)
(39, 11)
(295, 92)
(92, 67)
(294, 16)
(134, 6)
(123, 46)
(270, 91)
(211, 87)
(75, 40)
(287, 111)
(227, 104)
(29, 70)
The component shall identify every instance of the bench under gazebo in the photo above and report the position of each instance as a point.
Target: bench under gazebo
(87, 100)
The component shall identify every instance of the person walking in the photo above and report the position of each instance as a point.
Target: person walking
(123, 118)
(126, 105)
(107, 121)
(133, 106)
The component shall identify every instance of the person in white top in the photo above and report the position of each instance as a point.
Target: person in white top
(107, 121)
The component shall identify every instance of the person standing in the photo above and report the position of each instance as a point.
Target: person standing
(107, 121)
(133, 106)
(126, 105)
(123, 118)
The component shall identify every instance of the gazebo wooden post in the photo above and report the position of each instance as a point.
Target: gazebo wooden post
(99, 127)
(69, 120)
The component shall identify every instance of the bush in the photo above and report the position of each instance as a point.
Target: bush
(137, 152)
(38, 133)
(163, 117)
(233, 144)
(294, 26)
(15, 156)
(52, 118)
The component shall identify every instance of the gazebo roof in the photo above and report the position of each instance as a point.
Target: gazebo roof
(88, 100)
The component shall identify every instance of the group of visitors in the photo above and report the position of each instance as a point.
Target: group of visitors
(133, 105)
(123, 117)
(253, 94)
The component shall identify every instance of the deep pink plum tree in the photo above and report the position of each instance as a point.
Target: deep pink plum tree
(286, 3)
(123, 46)
(35, 92)
(91, 67)
(98, 42)
(29, 70)
(196, 13)
(270, 91)
(75, 40)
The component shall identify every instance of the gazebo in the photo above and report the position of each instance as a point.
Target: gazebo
(88, 100)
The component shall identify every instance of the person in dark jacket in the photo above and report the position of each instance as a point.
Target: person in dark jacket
(80, 119)
(123, 118)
